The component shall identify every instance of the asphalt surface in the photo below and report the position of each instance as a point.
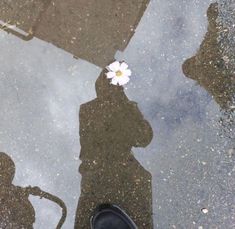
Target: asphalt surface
(162, 148)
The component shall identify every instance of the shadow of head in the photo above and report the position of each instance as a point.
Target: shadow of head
(7, 169)
(208, 56)
(208, 67)
(106, 91)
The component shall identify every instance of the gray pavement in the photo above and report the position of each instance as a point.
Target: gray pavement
(191, 157)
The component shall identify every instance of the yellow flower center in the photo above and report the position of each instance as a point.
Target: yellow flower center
(118, 73)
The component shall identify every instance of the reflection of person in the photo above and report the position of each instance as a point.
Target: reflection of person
(110, 126)
(16, 211)
(209, 66)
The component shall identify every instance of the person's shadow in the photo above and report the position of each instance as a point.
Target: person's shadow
(110, 126)
(210, 68)
(16, 211)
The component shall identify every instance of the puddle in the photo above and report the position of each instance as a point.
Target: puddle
(162, 148)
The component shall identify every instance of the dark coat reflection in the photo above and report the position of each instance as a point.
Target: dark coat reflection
(110, 126)
(208, 67)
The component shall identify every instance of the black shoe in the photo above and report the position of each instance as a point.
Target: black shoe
(109, 216)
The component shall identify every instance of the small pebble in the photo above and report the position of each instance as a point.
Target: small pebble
(204, 210)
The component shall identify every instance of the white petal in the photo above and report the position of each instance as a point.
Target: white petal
(114, 81)
(123, 66)
(127, 72)
(115, 66)
(123, 80)
(110, 75)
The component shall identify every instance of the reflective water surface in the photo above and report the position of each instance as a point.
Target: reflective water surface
(161, 147)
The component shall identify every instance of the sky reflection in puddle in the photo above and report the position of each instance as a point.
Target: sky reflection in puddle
(191, 156)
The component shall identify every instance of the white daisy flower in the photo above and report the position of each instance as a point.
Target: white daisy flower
(118, 73)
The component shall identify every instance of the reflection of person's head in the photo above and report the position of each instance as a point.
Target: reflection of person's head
(206, 59)
(212, 13)
(106, 91)
(208, 66)
(7, 169)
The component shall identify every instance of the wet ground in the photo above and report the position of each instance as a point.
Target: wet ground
(162, 148)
